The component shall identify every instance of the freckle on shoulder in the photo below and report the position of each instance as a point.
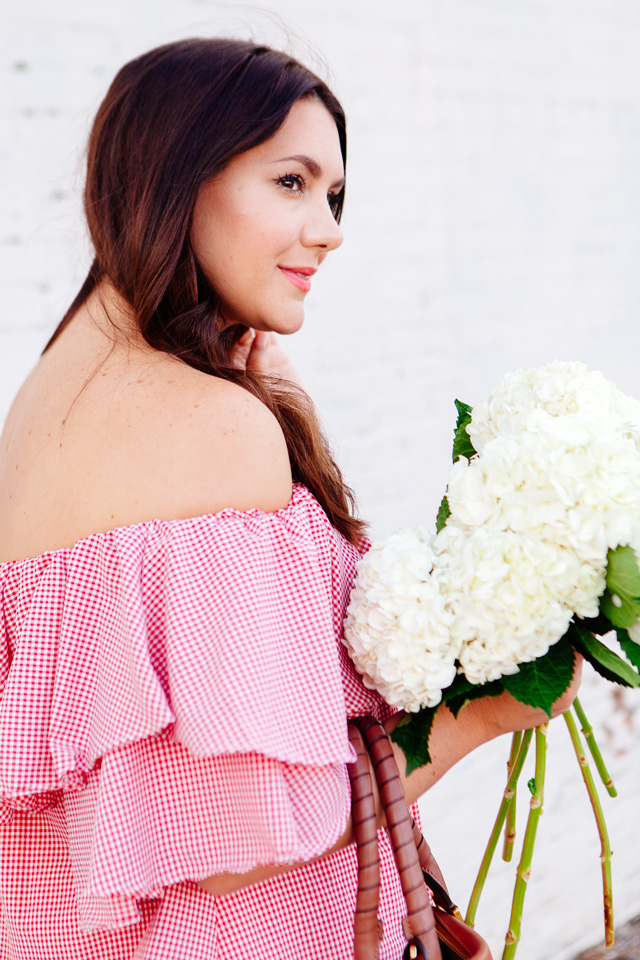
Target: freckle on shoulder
(230, 444)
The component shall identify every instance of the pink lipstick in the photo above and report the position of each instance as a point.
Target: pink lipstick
(299, 276)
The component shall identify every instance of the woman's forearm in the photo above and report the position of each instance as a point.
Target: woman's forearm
(451, 739)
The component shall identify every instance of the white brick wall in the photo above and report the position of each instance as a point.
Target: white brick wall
(493, 221)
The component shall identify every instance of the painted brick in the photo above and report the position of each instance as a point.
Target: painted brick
(492, 222)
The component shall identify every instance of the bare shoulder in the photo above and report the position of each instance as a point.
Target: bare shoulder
(211, 444)
(89, 446)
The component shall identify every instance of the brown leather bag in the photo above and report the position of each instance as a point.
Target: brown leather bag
(437, 933)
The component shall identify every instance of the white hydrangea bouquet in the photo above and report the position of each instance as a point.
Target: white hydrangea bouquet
(535, 555)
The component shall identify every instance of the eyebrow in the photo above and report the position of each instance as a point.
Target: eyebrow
(312, 166)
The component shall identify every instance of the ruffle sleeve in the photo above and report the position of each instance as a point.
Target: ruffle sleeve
(178, 687)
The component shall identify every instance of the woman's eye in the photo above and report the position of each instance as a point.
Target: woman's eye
(292, 182)
(334, 200)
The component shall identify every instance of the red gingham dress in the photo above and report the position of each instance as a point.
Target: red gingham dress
(173, 705)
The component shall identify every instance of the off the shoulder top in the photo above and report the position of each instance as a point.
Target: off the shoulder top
(174, 697)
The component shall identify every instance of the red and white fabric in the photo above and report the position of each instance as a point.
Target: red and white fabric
(174, 697)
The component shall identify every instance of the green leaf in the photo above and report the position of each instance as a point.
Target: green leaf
(608, 664)
(462, 446)
(412, 735)
(623, 575)
(464, 412)
(532, 786)
(630, 648)
(598, 625)
(443, 514)
(540, 682)
(621, 610)
(621, 600)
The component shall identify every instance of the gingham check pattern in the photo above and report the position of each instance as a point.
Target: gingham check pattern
(173, 705)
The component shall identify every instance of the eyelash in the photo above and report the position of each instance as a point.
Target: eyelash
(333, 198)
(296, 177)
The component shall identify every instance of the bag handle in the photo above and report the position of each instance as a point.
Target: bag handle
(457, 941)
(433, 875)
(419, 924)
(366, 925)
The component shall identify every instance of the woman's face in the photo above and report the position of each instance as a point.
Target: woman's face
(263, 226)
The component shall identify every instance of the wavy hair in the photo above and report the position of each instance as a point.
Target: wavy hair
(172, 119)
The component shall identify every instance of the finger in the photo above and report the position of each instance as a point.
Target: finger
(263, 340)
(247, 338)
(259, 357)
(242, 349)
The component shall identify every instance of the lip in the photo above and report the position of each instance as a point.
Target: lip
(299, 276)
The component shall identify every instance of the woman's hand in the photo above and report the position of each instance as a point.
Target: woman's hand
(478, 722)
(262, 353)
(505, 714)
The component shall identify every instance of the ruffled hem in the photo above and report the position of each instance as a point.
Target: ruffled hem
(154, 628)
(179, 685)
(155, 816)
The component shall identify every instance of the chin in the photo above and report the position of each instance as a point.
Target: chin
(292, 327)
(282, 325)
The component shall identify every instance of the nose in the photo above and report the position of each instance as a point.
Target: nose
(321, 229)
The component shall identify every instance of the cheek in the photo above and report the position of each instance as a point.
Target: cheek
(257, 243)
(245, 239)
(216, 246)
(213, 227)
(241, 231)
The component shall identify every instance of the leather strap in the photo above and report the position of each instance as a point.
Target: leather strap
(419, 925)
(430, 866)
(457, 940)
(367, 927)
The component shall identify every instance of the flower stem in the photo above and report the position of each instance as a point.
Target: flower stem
(497, 828)
(510, 826)
(589, 736)
(524, 867)
(605, 851)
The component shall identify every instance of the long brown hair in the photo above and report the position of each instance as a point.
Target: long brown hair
(172, 119)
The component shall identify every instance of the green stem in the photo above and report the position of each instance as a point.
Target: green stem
(605, 846)
(589, 736)
(523, 872)
(510, 826)
(497, 829)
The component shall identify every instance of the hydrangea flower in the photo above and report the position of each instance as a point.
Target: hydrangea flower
(554, 485)
(397, 628)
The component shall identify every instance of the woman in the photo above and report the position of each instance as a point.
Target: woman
(178, 546)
